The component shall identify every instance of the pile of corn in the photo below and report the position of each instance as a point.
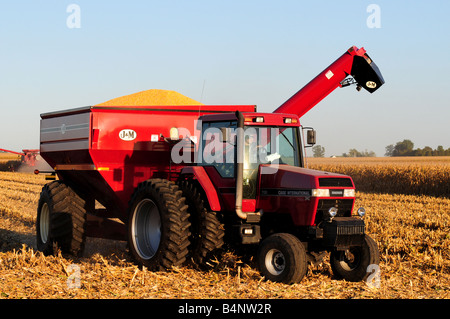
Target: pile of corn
(151, 98)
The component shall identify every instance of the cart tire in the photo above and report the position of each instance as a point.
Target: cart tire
(61, 220)
(158, 225)
(207, 231)
(282, 258)
(354, 266)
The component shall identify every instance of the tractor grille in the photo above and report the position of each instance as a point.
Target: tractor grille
(350, 230)
(335, 182)
(344, 232)
(344, 207)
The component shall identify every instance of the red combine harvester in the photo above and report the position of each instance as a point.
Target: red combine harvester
(178, 182)
(28, 157)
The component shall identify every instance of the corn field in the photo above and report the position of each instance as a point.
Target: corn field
(407, 175)
(409, 218)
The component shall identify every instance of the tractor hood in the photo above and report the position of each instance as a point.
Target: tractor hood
(297, 178)
(304, 193)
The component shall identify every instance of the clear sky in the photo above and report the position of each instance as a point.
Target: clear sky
(230, 52)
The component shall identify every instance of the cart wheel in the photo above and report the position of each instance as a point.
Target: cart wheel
(158, 226)
(207, 231)
(352, 264)
(282, 258)
(61, 220)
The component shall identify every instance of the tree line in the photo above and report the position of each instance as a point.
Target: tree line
(403, 148)
(319, 151)
(406, 148)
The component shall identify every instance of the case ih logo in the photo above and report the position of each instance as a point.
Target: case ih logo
(127, 135)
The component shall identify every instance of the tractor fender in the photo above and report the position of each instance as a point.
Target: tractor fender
(202, 177)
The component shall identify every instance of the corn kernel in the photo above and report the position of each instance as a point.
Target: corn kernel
(151, 98)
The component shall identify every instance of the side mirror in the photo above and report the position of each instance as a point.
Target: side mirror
(311, 137)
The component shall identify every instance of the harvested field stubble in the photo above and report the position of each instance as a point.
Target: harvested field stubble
(412, 233)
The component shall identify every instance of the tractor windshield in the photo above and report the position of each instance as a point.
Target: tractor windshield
(271, 145)
(262, 145)
(267, 145)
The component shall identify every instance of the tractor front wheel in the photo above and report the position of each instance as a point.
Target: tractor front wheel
(353, 264)
(282, 258)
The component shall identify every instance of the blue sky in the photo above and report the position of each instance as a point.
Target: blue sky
(235, 52)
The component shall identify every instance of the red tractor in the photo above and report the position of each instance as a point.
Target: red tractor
(178, 182)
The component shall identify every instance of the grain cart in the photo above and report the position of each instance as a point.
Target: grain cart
(177, 182)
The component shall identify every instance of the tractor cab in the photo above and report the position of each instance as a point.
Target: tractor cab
(238, 144)
(255, 163)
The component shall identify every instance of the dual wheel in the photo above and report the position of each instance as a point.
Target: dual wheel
(162, 230)
(283, 258)
(169, 224)
(158, 225)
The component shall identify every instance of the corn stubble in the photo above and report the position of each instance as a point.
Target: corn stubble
(412, 231)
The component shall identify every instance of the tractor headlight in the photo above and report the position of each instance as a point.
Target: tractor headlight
(349, 192)
(320, 192)
(332, 211)
(325, 192)
(174, 133)
(361, 211)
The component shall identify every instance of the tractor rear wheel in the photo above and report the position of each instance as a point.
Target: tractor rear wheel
(61, 220)
(282, 258)
(207, 231)
(158, 226)
(352, 264)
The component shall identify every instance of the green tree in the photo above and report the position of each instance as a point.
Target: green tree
(355, 153)
(427, 151)
(367, 153)
(406, 148)
(403, 148)
(318, 151)
(389, 150)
